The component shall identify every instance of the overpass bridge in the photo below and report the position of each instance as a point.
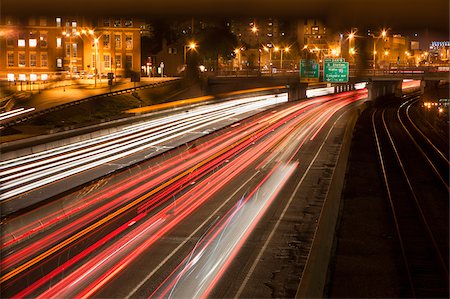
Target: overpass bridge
(380, 82)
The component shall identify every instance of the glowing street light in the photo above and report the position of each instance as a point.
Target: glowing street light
(255, 31)
(285, 49)
(191, 46)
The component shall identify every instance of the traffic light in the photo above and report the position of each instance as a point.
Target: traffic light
(110, 81)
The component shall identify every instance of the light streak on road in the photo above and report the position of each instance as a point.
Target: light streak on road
(233, 152)
(197, 274)
(26, 173)
(15, 112)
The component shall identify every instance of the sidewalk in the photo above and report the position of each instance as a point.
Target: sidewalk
(64, 94)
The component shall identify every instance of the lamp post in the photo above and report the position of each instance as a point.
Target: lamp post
(238, 53)
(191, 46)
(285, 49)
(96, 40)
(375, 40)
(255, 31)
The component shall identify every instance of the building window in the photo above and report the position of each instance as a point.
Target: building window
(106, 22)
(107, 61)
(43, 22)
(58, 42)
(94, 61)
(129, 61)
(59, 63)
(33, 59)
(117, 23)
(10, 42)
(10, 59)
(21, 43)
(118, 61)
(129, 41)
(315, 30)
(67, 50)
(32, 42)
(74, 27)
(106, 41)
(118, 41)
(44, 60)
(43, 40)
(74, 50)
(21, 59)
(58, 22)
(129, 23)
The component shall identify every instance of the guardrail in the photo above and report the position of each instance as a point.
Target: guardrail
(27, 117)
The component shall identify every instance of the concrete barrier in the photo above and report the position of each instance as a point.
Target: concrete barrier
(314, 278)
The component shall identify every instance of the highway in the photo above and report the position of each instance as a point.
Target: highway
(34, 171)
(153, 229)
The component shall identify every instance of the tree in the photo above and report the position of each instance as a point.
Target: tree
(217, 41)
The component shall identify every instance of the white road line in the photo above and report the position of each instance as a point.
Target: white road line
(252, 268)
(188, 238)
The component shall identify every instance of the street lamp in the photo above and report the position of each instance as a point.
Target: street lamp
(383, 34)
(285, 49)
(238, 53)
(191, 46)
(255, 31)
(351, 36)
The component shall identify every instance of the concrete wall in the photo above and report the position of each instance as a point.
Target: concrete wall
(379, 89)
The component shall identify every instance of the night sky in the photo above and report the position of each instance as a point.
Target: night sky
(400, 14)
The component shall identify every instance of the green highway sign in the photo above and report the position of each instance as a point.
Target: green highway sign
(309, 70)
(335, 70)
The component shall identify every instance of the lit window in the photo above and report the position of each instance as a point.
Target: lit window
(21, 59)
(107, 61)
(74, 24)
(10, 59)
(118, 41)
(118, 61)
(129, 41)
(32, 42)
(11, 77)
(129, 62)
(21, 43)
(22, 77)
(74, 50)
(129, 23)
(58, 22)
(44, 77)
(106, 41)
(58, 42)
(33, 59)
(33, 77)
(59, 63)
(94, 61)
(44, 60)
(43, 40)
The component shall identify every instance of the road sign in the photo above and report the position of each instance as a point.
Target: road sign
(309, 70)
(335, 70)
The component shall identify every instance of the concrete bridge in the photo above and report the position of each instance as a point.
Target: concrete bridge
(379, 82)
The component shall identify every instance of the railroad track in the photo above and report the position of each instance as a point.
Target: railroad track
(418, 198)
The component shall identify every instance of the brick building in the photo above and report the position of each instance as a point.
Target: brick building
(47, 48)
